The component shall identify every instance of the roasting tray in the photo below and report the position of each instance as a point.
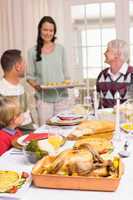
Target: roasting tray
(75, 182)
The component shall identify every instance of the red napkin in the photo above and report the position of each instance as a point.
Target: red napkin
(36, 136)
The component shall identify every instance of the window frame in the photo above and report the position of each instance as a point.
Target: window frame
(122, 15)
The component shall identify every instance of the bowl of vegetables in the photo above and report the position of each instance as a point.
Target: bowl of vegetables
(33, 152)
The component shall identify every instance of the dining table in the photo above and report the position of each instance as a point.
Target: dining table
(14, 159)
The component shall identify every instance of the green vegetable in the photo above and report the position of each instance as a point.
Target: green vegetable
(21, 182)
(33, 147)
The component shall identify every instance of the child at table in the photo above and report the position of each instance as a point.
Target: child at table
(10, 119)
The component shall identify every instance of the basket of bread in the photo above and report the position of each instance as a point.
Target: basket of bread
(93, 128)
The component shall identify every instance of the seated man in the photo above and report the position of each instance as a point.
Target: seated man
(13, 67)
(117, 77)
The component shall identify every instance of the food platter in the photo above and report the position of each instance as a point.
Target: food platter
(75, 182)
(19, 188)
(61, 86)
(80, 168)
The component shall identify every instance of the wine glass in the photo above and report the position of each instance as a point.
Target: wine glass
(88, 104)
(130, 92)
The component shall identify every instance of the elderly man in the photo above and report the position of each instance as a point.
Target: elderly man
(117, 77)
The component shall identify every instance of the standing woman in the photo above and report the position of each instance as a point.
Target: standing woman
(47, 64)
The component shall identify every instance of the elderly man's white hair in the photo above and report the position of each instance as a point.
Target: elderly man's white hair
(121, 47)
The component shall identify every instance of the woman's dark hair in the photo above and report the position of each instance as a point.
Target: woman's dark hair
(40, 41)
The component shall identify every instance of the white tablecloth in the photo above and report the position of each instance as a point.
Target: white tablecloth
(124, 191)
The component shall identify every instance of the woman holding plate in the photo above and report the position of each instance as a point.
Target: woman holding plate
(47, 64)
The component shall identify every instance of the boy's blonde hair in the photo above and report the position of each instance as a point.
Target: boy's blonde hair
(9, 109)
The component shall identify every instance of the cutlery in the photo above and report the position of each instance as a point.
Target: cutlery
(125, 153)
(8, 198)
(15, 152)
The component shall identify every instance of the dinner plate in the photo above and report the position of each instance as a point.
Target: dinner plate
(69, 116)
(57, 121)
(32, 136)
(20, 140)
(20, 192)
(46, 146)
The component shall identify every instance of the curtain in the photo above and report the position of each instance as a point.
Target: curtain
(18, 23)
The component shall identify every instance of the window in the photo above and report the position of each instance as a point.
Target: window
(93, 25)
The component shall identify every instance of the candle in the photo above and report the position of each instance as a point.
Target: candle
(95, 102)
(87, 86)
(117, 119)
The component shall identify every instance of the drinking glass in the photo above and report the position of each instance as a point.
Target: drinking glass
(54, 137)
(130, 92)
(88, 104)
(128, 113)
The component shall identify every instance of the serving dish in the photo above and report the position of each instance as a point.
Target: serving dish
(61, 86)
(76, 182)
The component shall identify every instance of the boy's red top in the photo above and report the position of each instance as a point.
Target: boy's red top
(6, 139)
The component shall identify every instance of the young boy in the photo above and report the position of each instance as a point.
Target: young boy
(10, 119)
